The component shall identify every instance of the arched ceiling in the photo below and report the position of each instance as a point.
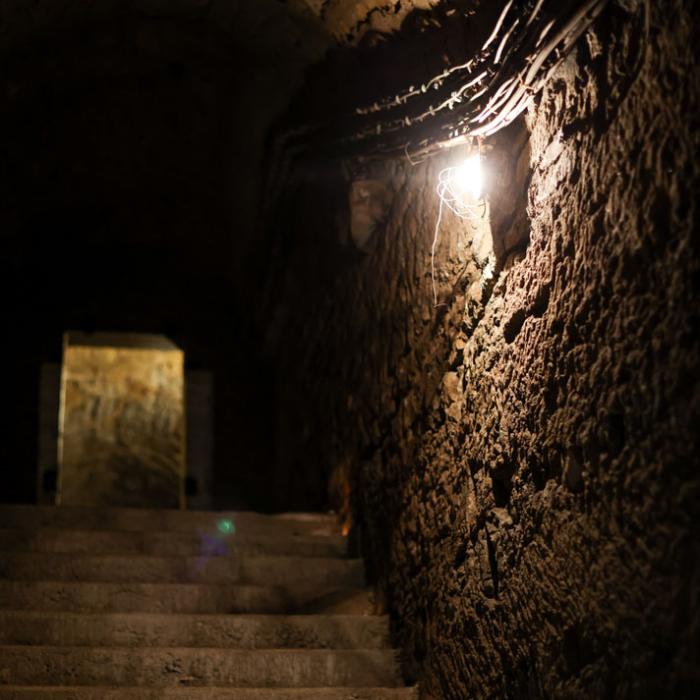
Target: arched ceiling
(262, 22)
(349, 20)
(304, 26)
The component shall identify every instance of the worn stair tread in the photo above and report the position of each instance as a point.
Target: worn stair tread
(73, 596)
(356, 601)
(133, 604)
(273, 570)
(224, 631)
(206, 542)
(245, 522)
(171, 666)
(140, 597)
(210, 693)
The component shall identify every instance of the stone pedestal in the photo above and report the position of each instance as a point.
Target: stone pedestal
(121, 422)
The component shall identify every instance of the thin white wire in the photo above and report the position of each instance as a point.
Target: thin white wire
(432, 250)
(455, 203)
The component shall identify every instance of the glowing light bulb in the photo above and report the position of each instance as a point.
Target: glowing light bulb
(466, 178)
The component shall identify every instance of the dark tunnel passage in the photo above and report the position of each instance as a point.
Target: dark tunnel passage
(131, 172)
(441, 260)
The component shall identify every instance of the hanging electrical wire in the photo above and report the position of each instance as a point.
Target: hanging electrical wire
(475, 98)
(484, 94)
(459, 189)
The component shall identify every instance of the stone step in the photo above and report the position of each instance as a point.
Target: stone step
(167, 667)
(195, 598)
(140, 597)
(225, 631)
(294, 573)
(123, 693)
(351, 601)
(158, 520)
(212, 543)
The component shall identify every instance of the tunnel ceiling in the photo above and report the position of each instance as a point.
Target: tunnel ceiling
(349, 20)
(263, 25)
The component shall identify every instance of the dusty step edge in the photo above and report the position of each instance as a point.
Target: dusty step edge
(123, 542)
(242, 560)
(112, 598)
(302, 516)
(47, 531)
(140, 556)
(276, 570)
(173, 667)
(212, 693)
(164, 519)
(33, 628)
(76, 596)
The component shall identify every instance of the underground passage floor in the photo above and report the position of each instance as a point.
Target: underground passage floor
(427, 269)
(169, 604)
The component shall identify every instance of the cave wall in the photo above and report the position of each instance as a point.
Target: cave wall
(523, 459)
(350, 20)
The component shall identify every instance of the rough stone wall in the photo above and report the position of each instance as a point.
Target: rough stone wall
(524, 459)
(350, 20)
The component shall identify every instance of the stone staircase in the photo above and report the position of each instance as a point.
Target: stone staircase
(107, 604)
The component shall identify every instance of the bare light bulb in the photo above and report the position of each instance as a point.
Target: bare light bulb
(466, 178)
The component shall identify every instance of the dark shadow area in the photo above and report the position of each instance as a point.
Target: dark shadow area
(129, 170)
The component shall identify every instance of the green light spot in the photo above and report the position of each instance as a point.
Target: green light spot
(226, 526)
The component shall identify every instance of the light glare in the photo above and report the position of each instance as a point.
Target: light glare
(226, 527)
(466, 178)
(454, 183)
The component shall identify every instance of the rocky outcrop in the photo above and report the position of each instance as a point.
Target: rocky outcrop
(350, 20)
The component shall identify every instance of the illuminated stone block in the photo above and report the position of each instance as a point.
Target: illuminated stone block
(122, 421)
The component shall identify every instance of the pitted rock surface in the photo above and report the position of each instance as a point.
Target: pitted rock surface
(527, 484)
